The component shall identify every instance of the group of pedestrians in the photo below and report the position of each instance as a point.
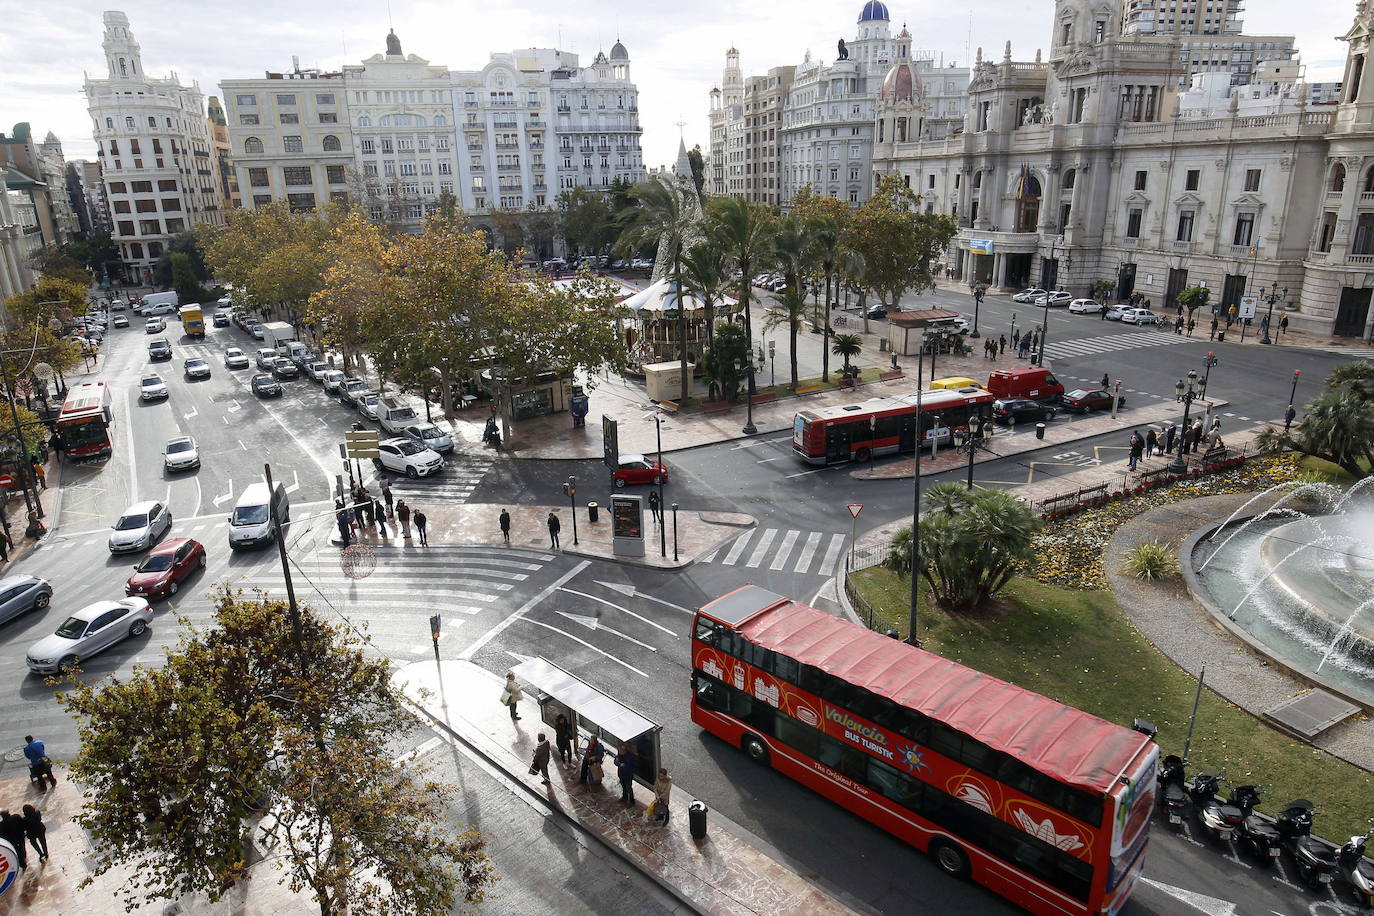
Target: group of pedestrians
(16, 828)
(1026, 343)
(994, 346)
(372, 512)
(1155, 444)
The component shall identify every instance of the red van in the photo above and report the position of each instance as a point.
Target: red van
(1034, 383)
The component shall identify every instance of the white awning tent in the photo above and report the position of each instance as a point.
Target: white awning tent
(660, 300)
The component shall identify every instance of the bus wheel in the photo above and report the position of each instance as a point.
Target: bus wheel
(950, 858)
(862, 454)
(756, 749)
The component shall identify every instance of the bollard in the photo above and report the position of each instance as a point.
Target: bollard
(696, 820)
(591, 512)
(1040, 430)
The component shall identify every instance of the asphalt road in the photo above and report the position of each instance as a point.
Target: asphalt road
(622, 628)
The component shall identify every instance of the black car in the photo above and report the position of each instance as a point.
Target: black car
(283, 368)
(264, 386)
(159, 349)
(1020, 410)
(1084, 400)
(877, 311)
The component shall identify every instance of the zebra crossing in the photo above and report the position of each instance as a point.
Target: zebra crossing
(1109, 343)
(1350, 352)
(455, 483)
(779, 550)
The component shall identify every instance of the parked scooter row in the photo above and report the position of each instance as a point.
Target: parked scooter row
(1235, 819)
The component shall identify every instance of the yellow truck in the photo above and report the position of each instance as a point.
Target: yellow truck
(192, 320)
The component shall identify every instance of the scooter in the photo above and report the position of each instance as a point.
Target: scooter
(1255, 835)
(1316, 863)
(1351, 863)
(1220, 818)
(1173, 793)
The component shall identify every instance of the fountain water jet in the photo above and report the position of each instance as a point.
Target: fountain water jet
(1344, 630)
(1317, 542)
(1298, 489)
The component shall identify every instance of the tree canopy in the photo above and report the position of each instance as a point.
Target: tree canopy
(1338, 426)
(897, 242)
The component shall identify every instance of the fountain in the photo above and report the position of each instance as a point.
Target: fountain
(1298, 587)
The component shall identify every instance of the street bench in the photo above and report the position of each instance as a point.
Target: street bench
(891, 375)
(1150, 476)
(1073, 497)
(716, 406)
(764, 398)
(1213, 456)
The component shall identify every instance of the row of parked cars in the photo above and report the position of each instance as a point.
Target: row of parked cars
(1031, 394)
(1059, 297)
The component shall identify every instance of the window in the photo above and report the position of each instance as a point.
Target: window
(252, 145)
(445, 168)
(246, 101)
(117, 187)
(334, 174)
(290, 118)
(1245, 226)
(301, 202)
(387, 146)
(172, 204)
(260, 200)
(126, 227)
(122, 206)
(296, 174)
(328, 117)
(257, 178)
(331, 144)
(1133, 223)
(368, 147)
(324, 98)
(1337, 182)
(1140, 177)
(149, 227)
(292, 144)
(1191, 179)
(286, 98)
(175, 225)
(1185, 226)
(1252, 179)
(152, 121)
(248, 119)
(145, 206)
(142, 187)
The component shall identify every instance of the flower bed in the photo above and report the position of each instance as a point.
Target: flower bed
(1069, 549)
(1144, 486)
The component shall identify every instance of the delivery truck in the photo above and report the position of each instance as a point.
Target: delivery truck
(192, 320)
(276, 334)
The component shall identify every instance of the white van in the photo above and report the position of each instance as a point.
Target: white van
(394, 415)
(251, 523)
(160, 303)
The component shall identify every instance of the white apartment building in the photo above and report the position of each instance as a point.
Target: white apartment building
(18, 219)
(54, 167)
(746, 120)
(596, 121)
(153, 143)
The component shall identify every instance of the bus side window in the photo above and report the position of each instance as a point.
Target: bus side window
(710, 693)
(786, 669)
(708, 631)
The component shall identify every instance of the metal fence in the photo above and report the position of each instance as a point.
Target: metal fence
(1202, 463)
(862, 556)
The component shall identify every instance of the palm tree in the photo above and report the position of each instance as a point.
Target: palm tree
(662, 214)
(826, 245)
(744, 231)
(789, 249)
(790, 312)
(705, 275)
(846, 346)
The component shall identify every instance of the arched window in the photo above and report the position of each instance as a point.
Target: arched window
(420, 121)
(364, 121)
(1337, 178)
(385, 120)
(1369, 181)
(331, 144)
(977, 180)
(1069, 177)
(440, 120)
(252, 145)
(1027, 203)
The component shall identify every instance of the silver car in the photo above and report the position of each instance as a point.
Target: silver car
(430, 436)
(90, 630)
(141, 526)
(23, 593)
(180, 454)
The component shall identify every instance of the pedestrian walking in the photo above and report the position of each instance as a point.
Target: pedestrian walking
(386, 495)
(663, 790)
(1137, 445)
(40, 767)
(379, 511)
(1170, 435)
(365, 507)
(505, 527)
(1283, 324)
(554, 527)
(1016, 341)
(655, 508)
(625, 772)
(1288, 416)
(36, 831)
(5, 544)
(563, 737)
(1106, 381)
(512, 695)
(403, 516)
(12, 831)
(1001, 344)
(1178, 325)
(1192, 326)
(341, 516)
(1151, 443)
(421, 522)
(1196, 437)
(40, 475)
(540, 764)
(591, 772)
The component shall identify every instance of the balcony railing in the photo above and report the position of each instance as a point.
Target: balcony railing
(507, 145)
(474, 146)
(1366, 197)
(1359, 259)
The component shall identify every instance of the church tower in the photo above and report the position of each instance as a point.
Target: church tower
(122, 53)
(1356, 110)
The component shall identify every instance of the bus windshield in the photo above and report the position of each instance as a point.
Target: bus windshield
(87, 432)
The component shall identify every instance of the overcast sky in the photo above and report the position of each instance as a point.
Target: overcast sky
(677, 49)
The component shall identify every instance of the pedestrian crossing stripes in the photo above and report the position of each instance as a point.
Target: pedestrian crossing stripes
(454, 483)
(1087, 346)
(777, 547)
(1349, 352)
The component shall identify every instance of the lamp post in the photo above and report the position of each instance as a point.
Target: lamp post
(571, 489)
(1187, 394)
(913, 615)
(977, 301)
(1291, 413)
(662, 532)
(1293, 395)
(1274, 295)
(1044, 331)
(1208, 362)
(748, 369)
(674, 532)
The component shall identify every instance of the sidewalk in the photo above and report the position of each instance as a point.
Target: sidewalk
(468, 524)
(725, 873)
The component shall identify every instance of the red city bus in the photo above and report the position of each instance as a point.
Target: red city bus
(83, 425)
(879, 426)
(1043, 803)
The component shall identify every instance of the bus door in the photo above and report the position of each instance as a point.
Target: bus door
(836, 443)
(907, 440)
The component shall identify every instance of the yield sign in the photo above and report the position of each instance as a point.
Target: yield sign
(855, 509)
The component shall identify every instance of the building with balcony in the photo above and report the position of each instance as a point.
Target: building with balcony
(223, 150)
(88, 196)
(746, 120)
(153, 142)
(41, 174)
(20, 236)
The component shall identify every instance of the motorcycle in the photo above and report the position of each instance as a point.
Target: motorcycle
(1350, 861)
(1316, 863)
(1255, 836)
(1220, 818)
(1173, 793)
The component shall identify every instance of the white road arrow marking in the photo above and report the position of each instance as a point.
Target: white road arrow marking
(1212, 906)
(192, 414)
(234, 405)
(629, 591)
(227, 496)
(619, 608)
(297, 485)
(593, 623)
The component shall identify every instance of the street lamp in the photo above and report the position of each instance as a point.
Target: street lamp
(978, 294)
(1291, 412)
(748, 369)
(1044, 330)
(662, 532)
(1187, 394)
(1274, 295)
(571, 489)
(913, 620)
(1208, 362)
(674, 532)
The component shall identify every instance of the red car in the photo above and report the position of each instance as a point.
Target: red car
(161, 572)
(638, 469)
(1084, 400)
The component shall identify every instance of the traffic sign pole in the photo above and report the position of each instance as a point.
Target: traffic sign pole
(854, 510)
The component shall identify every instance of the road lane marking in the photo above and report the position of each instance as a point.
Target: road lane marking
(1212, 906)
(594, 623)
(766, 460)
(785, 550)
(804, 473)
(832, 553)
(471, 650)
(621, 609)
(761, 548)
(813, 541)
(129, 446)
(548, 626)
(736, 549)
(630, 591)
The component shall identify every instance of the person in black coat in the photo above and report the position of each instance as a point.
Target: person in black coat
(12, 831)
(36, 831)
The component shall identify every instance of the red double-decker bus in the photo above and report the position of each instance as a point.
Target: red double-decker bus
(1043, 803)
(880, 426)
(83, 425)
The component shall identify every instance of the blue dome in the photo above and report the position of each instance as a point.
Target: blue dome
(874, 10)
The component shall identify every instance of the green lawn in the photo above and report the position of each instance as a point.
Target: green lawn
(1077, 647)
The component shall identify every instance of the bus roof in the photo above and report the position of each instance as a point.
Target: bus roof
(1070, 745)
(86, 398)
(930, 400)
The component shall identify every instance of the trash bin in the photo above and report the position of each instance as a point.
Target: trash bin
(591, 512)
(1040, 430)
(1221, 335)
(696, 820)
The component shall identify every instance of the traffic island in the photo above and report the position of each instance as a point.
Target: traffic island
(726, 872)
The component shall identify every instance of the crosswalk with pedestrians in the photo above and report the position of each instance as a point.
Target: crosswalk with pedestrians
(781, 549)
(455, 483)
(1110, 343)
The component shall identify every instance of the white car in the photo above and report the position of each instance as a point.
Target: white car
(256, 330)
(1085, 306)
(121, 321)
(642, 264)
(1029, 295)
(155, 325)
(1058, 297)
(367, 404)
(195, 367)
(142, 525)
(151, 388)
(332, 380)
(180, 453)
(234, 358)
(90, 630)
(430, 436)
(404, 456)
(1139, 316)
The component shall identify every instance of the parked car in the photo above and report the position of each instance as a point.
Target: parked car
(141, 526)
(155, 325)
(641, 264)
(1056, 298)
(555, 264)
(264, 386)
(351, 390)
(316, 369)
(220, 320)
(256, 330)
(1020, 410)
(121, 321)
(1139, 316)
(117, 305)
(1084, 400)
(180, 454)
(161, 572)
(403, 456)
(1085, 306)
(332, 379)
(617, 264)
(90, 630)
(283, 368)
(638, 469)
(159, 349)
(234, 358)
(195, 367)
(877, 311)
(23, 593)
(778, 285)
(265, 357)
(368, 403)
(430, 436)
(1029, 295)
(152, 388)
